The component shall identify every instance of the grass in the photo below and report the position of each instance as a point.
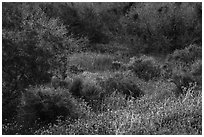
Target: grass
(91, 62)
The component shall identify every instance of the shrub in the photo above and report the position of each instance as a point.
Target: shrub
(196, 71)
(76, 87)
(93, 95)
(116, 65)
(185, 65)
(195, 51)
(42, 107)
(187, 55)
(121, 84)
(74, 69)
(144, 67)
(45, 105)
(10, 102)
(196, 68)
(182, 81)
(91, 91)
(86, 86)
(57, 82)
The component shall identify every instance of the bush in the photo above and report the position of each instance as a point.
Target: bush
(58, 82)
(45, 105)
(186, 62)
(145, 67)
(120, 83)
(10, 102)
(196, 68)
(74, 69)
(86, 86)
(182, 81)
(91, 91)
(187, 55)
(76, 87)
(196, 71)
(116, 65)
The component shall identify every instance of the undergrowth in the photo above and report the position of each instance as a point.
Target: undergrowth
(144, 117)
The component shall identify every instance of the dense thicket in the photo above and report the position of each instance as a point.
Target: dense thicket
(88, 46)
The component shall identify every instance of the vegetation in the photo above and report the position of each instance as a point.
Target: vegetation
(102, 68)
